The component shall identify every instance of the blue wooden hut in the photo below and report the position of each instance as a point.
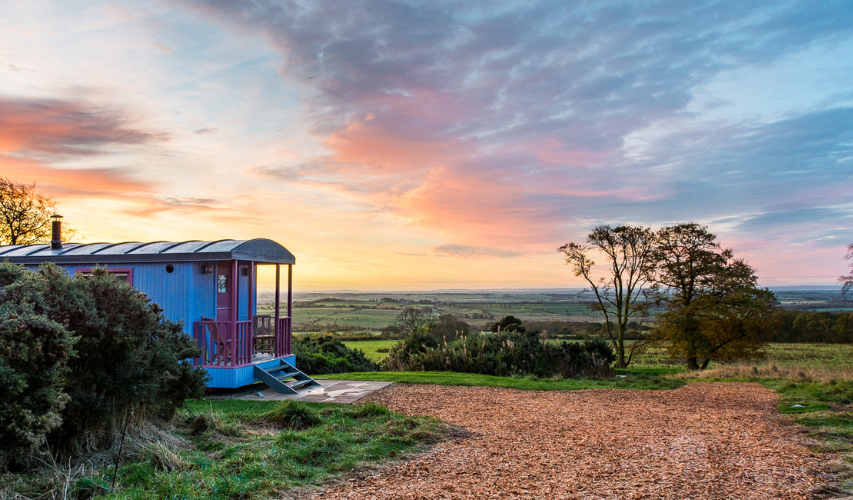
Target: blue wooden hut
(211, 287)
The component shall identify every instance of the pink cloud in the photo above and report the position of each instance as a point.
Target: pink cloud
(55, 127)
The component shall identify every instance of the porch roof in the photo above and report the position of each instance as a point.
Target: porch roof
(260, 250)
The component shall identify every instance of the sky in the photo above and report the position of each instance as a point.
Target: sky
(419, 145)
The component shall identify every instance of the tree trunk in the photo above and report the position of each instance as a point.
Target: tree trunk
(692, 362)
(705, 363)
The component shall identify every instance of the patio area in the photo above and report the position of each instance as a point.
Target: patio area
(329, 391)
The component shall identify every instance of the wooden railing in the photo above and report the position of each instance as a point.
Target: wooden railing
(224, 345)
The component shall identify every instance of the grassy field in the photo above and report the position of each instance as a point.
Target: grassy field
(369, 313)
(371, 347)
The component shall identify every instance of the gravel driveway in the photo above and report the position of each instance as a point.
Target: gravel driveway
(704, 440)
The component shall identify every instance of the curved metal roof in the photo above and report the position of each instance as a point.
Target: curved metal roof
(260, 250)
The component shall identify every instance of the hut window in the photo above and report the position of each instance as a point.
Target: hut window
(170, 268)
(125, 275)
(222, 283)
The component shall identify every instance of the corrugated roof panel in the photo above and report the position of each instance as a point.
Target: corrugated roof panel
(84, 249)
(120, 248)
(187, 247)
(10, 249)
(38, 250)
(155, 247)
(223, 245)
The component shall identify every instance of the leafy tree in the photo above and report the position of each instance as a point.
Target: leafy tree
(508, 324)
(619, 290)
(449, 326)
(24, 214)
(847, 281)
(715, 310)
(414, 318)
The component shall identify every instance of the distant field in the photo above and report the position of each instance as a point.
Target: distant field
(365, 313)
(370, 347)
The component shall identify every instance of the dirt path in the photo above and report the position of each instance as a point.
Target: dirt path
(703, 441)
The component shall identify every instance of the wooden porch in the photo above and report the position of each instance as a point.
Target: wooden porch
(228, 342)
(239, 343)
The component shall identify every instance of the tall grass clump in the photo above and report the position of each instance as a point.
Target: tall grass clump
(292, 414)
(792, 372)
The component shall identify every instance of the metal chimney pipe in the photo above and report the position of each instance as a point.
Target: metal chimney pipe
(56, 232)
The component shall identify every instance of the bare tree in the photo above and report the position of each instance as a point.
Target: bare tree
(847, 281)
(413, 318)
(24, 214)
(629, 252)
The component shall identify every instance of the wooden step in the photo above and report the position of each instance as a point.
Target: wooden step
(280, 382)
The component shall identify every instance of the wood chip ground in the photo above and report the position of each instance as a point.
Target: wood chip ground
(702, 441)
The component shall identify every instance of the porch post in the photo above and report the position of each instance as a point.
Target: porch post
(251, 293)
(235, 302)
(236, 346)
(289, 290)
(289, 332)
(251, 299)
(278, 348)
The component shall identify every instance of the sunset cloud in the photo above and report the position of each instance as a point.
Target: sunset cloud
(513, 120)
(38, 127)
(400, 139)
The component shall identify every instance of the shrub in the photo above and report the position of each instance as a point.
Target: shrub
(509, 324)
(502, 353)
(417, 343)
(127, 357)
(292, 414)
(34, 352)
(130, 357)
(329, 355)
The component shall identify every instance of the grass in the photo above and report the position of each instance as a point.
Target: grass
(229, 450)
(628, 380)
(371, 347)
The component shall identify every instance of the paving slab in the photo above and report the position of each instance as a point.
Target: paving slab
(329, 391)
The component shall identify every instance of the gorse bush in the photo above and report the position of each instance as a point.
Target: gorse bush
(34, 353)
(328, 355)
(502, 353)
(130, 357)
(126, 358)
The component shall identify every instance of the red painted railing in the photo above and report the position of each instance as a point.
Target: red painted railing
(224, 345)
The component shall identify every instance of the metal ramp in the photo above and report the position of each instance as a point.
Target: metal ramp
(284, 378)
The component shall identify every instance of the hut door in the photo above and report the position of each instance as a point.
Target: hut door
(224, 289)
